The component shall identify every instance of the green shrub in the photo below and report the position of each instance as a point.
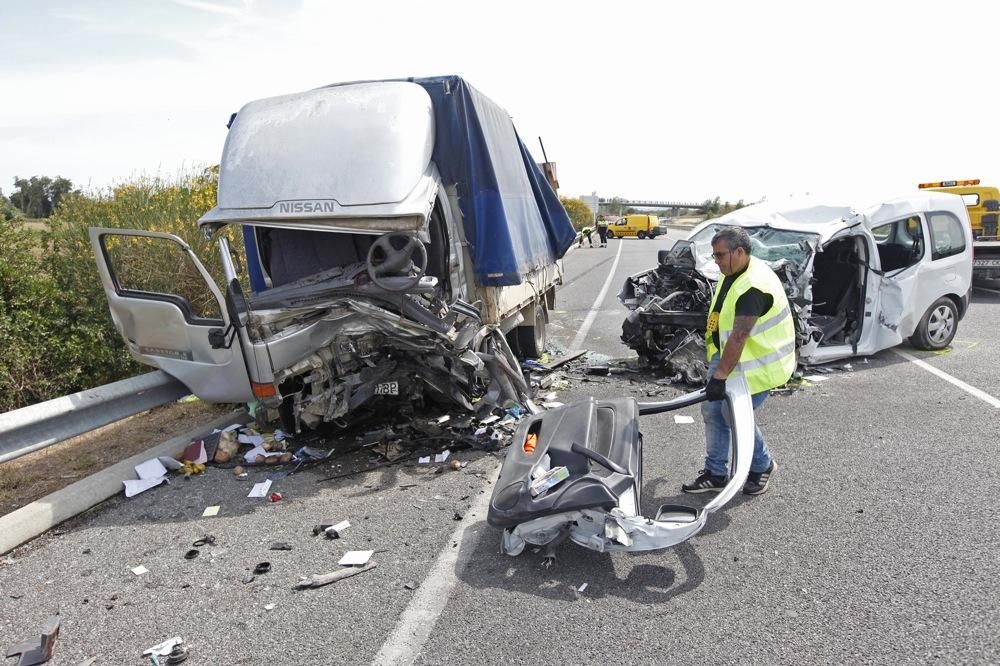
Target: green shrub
(55, 327)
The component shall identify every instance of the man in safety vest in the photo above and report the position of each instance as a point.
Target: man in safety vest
(750, 333)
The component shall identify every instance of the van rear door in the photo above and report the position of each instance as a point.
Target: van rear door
(170, 312)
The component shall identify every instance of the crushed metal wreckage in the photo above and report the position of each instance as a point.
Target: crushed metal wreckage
(669, 310)
(858, 280)
(413, 350)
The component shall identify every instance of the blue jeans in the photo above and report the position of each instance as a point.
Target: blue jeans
(717, 435)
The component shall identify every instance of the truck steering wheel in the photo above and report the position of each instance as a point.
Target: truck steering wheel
(392, 256)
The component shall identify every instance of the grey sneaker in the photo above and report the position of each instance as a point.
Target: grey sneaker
(705, 483)
(757, 481)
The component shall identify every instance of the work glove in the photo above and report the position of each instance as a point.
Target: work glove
(715, 389)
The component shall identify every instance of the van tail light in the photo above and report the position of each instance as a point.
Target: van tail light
(263, 390)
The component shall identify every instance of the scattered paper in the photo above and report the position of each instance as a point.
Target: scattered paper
(210, 511)
(258, 451)
(680, 418)
(441, 419)
(356, 558)
(269, 607)
(164, 648)
(582, 588)
(480, 431)
(139, 570)
(549, 397)
(815, 378)
(151, 469)
(490, 419)
(551, 405)
(231, 427)
(443, 456)
(260, 489)
(169, 463)
(133, 488)
(423, 460)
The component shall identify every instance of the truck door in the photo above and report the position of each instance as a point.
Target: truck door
(170, 312)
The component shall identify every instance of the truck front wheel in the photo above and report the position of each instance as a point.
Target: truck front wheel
(641, 235)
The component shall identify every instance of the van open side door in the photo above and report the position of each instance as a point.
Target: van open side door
(170, 312)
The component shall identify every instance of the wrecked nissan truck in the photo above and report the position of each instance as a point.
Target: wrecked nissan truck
(858, 280)
(400, 245)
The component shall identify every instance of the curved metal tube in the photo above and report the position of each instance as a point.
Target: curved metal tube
(685, 400)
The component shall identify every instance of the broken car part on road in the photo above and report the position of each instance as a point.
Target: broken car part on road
(858, 281)
(593, 450)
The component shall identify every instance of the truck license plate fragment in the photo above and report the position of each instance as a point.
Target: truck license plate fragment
(387, 388)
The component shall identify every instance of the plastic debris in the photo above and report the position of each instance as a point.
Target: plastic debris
(682, 419)
(164, 648)
(37, 650)
(275, 497)
(210, 511)
(139, 570)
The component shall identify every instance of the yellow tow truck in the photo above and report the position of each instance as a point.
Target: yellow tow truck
(983, 204)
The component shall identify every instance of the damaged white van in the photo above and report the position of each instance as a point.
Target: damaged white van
(397, 234)
(859, 280)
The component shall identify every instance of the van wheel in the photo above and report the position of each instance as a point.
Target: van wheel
(938, 327)
(611, 234)
(531, 339)
(641, 235)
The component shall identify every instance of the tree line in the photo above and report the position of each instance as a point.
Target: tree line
(35, 197)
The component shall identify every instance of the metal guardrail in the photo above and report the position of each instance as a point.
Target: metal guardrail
(37, 426)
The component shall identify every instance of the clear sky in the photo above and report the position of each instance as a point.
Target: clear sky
(657, 100)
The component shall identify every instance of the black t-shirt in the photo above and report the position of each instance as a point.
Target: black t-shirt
(753, 303)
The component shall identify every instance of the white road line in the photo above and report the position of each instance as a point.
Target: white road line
(971, 390)
(418, 619)
(581, 335)
(992, 291)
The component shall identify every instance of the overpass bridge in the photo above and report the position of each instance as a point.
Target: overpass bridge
(607, 205)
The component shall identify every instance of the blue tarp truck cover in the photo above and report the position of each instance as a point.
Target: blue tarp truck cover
(513, 220)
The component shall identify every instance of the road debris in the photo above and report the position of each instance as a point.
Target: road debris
(164, 648)
(206, 540)
(37, 650)
(356, 558)
(140, 570)
(336, 531)
(210, 511)
(151, 473)
(260, 489)
(262, 568)
(319, 580)
(280, 545)
(275, 497)
(681, 419)
(191, 554)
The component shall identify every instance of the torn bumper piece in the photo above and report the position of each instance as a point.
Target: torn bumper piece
(598, 506)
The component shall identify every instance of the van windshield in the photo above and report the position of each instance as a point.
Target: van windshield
(767, 243)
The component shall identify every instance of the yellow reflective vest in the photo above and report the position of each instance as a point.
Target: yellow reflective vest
(768, 357)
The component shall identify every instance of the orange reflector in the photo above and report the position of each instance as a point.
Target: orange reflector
(530, 442)
(263, 390)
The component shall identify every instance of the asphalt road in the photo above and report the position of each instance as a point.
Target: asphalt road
(877, 543)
